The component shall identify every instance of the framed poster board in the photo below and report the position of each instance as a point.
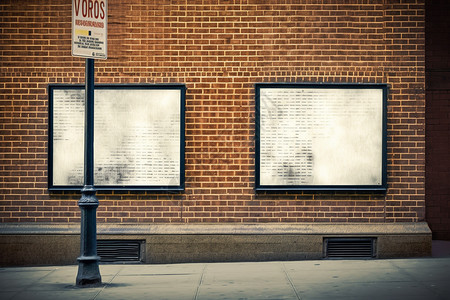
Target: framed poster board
(320, 136)
(138, 137)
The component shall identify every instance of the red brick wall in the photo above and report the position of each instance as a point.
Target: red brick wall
(219, 49)
(438, 118)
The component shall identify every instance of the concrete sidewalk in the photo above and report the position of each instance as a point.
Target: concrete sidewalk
(421, 278)
(426, 278)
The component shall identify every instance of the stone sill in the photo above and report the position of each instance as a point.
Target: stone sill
(354, 229)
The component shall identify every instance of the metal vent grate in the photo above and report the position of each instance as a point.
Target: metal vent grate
(349, 247)
(119, 251)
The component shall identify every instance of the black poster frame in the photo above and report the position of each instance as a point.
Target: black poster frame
(381, 187)
(69, 187)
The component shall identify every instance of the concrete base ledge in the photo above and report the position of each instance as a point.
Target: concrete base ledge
(37, 244)
(251, 229)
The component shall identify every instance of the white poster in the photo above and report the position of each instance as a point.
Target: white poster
(137, 137)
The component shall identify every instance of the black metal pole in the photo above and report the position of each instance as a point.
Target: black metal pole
(88, 270)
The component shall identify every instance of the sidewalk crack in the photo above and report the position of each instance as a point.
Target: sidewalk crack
(290, 281)
(106, 284)
(200, 282)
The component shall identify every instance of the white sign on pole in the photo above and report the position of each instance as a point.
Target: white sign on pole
(89, 28)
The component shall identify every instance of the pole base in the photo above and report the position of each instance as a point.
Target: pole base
(88, 272)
